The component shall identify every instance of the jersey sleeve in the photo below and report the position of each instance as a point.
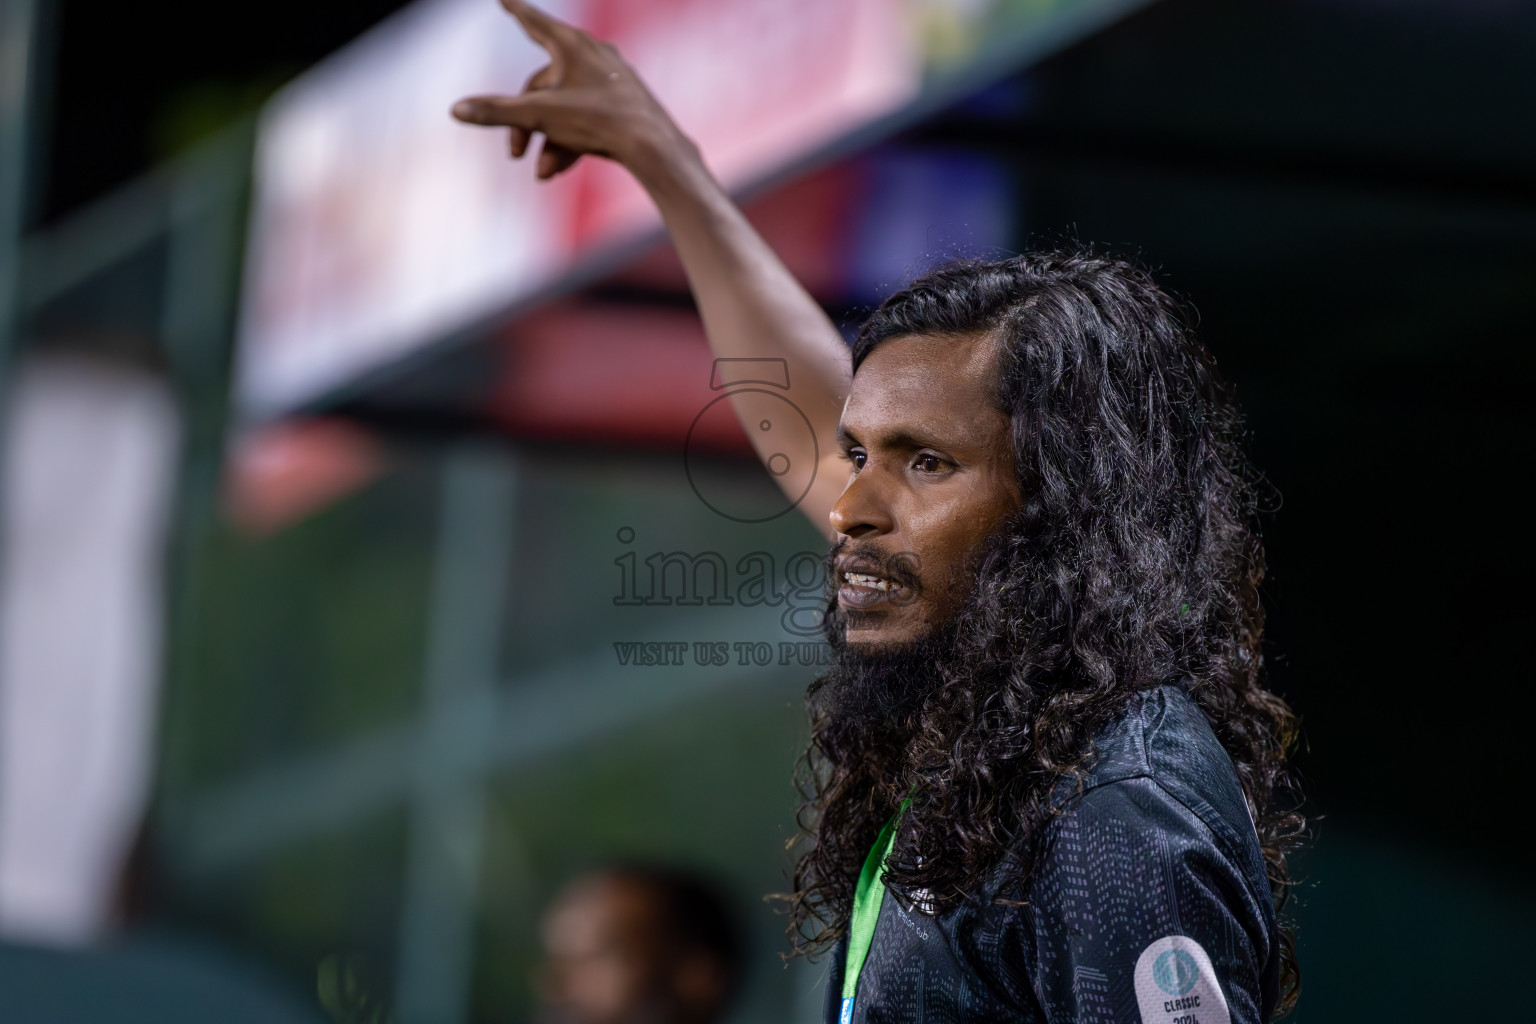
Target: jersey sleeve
(1137, 916)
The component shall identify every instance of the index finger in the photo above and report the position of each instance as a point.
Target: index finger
(543, 28)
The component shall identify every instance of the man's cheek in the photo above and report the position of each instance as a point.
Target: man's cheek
(906, 567)
(948, 595)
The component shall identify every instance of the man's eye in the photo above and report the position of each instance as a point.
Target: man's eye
(858, 459)
(930, 463)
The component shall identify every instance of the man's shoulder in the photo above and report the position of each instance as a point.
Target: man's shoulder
(1160, 734)
(1163, 738)
(1152, 849)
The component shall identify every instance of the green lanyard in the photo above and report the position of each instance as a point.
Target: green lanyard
(867, 898)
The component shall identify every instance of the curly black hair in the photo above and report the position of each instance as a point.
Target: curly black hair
(1134, 560)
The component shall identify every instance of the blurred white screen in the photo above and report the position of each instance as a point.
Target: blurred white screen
(381, 224)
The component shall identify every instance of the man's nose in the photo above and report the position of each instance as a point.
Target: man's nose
(862, 510)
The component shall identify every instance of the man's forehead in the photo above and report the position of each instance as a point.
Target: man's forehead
(933, 379)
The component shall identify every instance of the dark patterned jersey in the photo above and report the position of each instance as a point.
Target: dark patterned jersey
(1147, 903)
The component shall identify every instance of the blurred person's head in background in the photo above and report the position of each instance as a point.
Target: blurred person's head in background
(636, 944)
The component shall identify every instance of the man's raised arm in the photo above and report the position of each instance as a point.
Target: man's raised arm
(589, 101)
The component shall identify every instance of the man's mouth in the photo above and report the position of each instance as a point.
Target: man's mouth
(863, 590)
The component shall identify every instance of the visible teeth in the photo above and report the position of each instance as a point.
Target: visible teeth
(863, 580)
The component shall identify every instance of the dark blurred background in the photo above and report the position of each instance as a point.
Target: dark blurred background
(384, 719)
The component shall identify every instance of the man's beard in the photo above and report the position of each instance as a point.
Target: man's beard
(882, 688)
(879, 688)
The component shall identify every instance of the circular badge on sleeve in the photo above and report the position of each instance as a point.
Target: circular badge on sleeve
(1175, 984)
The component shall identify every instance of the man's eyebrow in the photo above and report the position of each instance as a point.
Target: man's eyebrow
(906, 439)
(901, 439)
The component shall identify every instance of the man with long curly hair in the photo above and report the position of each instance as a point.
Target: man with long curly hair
(1045, 781)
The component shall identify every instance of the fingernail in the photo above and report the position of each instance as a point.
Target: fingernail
(466, 109)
